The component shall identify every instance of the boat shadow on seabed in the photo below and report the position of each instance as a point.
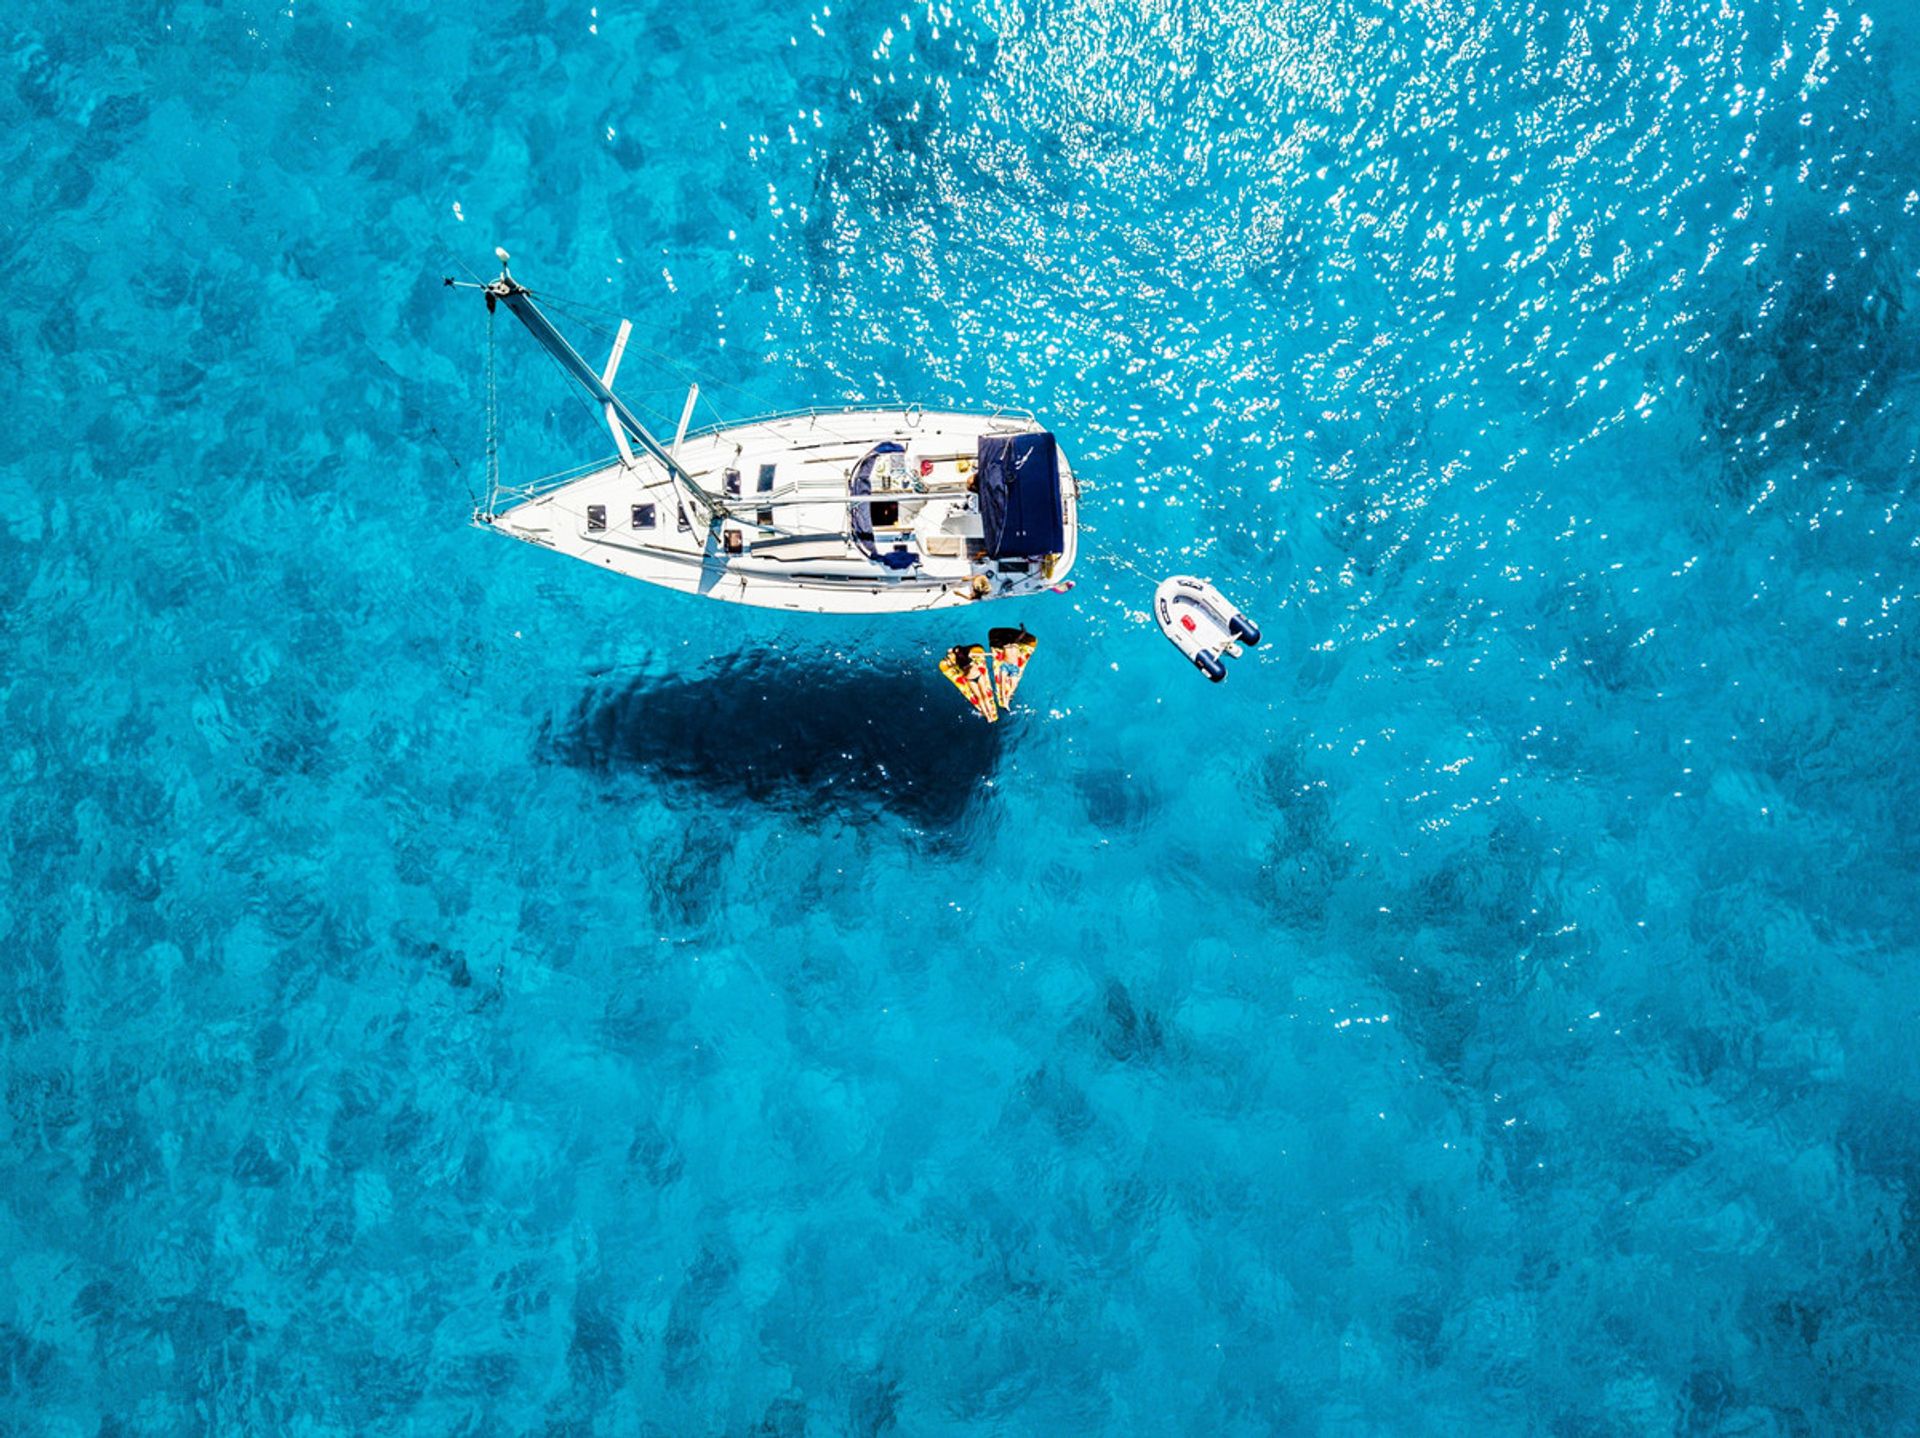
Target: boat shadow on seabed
(816, 735)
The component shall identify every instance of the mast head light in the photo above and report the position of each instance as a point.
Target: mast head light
(503, 257)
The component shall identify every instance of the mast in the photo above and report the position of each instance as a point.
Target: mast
(620, 420)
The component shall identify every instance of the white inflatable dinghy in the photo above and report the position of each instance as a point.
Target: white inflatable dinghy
(1202, 624)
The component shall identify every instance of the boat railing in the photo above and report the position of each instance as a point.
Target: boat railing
(819, 412)
(506, 495)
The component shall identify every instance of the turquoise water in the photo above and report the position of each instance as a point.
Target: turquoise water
(447, 990)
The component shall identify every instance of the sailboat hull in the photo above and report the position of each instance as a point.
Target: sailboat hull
(865, 511)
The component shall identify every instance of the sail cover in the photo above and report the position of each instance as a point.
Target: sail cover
(1020, 495)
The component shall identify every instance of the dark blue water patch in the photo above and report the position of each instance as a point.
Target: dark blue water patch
(1599, 627)
(804, 733)
(1809, 353)
(1126, 1033)
(1301, 859)
(785, 1417)
(873, 1402)
(637, 1017)
(1119, 802)
(596, 1360)
(654, 1154)
(705, 1284)
(674, 873)
(889, 163)
(255, 1166)
(1484, 896)
(522, 1298)
(122, 1157)
(33, 1367)
(42, 1104)
(1812, 333)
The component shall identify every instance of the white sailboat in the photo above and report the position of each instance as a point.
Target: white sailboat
(852, 511)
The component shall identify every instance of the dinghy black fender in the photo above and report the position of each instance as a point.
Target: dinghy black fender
(1245, 630)
(1214, 669)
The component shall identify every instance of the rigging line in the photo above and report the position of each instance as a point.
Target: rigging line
(562, 306)
(766, 405)
(686, 373)
(552, 298)
(1114, 557)
(459, 465)
(396, 390)
(693, 375)
(566, 310)
(493, 419)
(580, 307)
(668, 360)
(721, 511)
(447, 252)
(599, 419)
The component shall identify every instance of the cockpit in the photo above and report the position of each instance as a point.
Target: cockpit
(885, 473)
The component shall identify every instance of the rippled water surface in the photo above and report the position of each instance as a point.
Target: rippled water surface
(448, 990)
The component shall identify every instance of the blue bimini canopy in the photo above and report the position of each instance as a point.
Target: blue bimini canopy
(1020, 495)
(860, 516)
